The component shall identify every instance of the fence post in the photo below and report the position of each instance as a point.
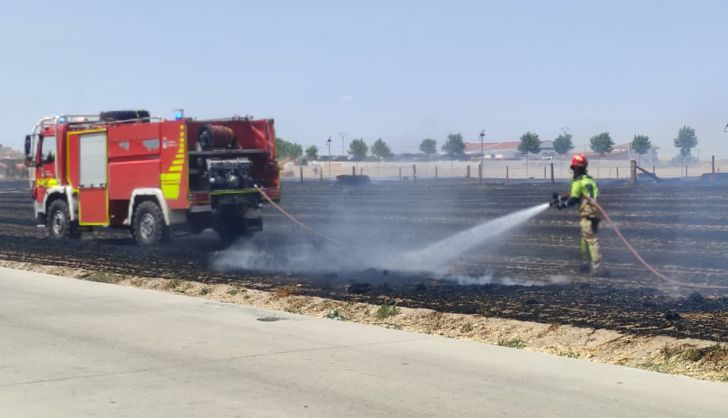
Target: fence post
(552, 173)
(686, 170)
(653, 169)
(321, 175)
(633, 170)
(617, 173)
(544, 172)
(507, 173)
(467, 175)
(414, 173)
(301, 171)
(436, 172)
(361, 171)
(400, 174)
(480, 173)
(712, 158)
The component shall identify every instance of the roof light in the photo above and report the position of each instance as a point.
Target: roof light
(179, 114)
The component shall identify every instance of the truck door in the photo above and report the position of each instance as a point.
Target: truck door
(47, 167)
(89, 174)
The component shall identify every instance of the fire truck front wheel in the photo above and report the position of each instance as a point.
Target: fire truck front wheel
(59, 222)
(148, 224)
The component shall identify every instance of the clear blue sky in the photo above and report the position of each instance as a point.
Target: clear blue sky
(400, 70)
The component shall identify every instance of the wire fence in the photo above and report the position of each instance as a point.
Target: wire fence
(491, 169)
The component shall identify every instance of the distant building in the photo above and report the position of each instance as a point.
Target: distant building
(11, 163)
(506, 150)
(625, 152)
(547, 149)
(9, 154)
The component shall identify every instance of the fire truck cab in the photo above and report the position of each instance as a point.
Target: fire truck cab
(125, 169)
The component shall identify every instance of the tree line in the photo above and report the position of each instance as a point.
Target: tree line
(603, 144)
(454, 146)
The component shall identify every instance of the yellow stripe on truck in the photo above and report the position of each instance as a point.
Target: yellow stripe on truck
(172, 178)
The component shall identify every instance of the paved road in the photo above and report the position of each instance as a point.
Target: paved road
(70, 348)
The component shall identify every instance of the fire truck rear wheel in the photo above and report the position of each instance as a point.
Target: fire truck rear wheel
(59, 222)
(148, 224)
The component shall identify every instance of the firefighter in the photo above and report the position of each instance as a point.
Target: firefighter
(584, 192)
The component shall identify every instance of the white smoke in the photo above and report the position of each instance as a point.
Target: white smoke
(507, 281)
(297, 255)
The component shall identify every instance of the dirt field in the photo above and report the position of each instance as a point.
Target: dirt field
(681, 228)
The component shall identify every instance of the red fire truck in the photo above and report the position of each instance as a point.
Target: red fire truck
(125, 169)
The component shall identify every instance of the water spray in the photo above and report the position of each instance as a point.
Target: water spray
(440, 253)
(437, 256)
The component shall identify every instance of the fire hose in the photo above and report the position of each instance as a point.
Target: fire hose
(642, 260)
(297, 222)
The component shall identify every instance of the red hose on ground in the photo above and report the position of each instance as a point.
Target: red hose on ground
(296, 221)
(642, 260)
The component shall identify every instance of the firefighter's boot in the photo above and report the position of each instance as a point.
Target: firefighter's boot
(585, 267)
(597, 269)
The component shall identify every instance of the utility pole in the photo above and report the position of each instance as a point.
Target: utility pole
(566, 132)
(726, 131)
(342, 135)
(482, 154)
(328, 143)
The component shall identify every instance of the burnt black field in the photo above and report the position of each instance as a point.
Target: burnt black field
(680, 227)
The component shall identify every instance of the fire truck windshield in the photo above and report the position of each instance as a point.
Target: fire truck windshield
(48, 150)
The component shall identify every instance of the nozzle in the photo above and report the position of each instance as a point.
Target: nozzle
(554, 199)
(559, 201)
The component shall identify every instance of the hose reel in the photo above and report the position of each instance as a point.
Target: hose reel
(212, 137)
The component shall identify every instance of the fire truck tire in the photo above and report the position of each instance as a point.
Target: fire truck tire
(59, 222)
(148, 226)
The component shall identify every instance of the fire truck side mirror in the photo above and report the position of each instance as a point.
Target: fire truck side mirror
(28, 158)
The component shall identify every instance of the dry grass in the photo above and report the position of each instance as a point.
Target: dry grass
(285, 291)
(101, 277)
(387, 309)
(512, 343)
(714, 356)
